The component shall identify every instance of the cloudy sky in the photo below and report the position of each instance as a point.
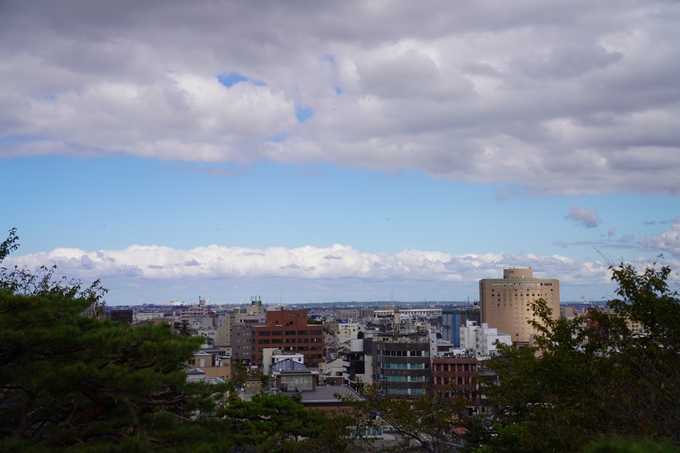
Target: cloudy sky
(338, 151)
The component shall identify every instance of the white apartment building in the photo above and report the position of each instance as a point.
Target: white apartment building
(481, 339)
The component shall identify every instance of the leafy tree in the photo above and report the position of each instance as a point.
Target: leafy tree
(427, 420)
(275, 422)
(10, 244)
(69, 378)
(594, 375)
(617, 445)
(239, 373)
(72, 381)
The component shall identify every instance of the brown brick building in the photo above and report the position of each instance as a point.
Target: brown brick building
(454, 377)
(288, 330)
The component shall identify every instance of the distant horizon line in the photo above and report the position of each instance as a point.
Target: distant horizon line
(361, 303)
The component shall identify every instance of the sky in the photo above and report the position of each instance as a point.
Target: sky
(312, 151)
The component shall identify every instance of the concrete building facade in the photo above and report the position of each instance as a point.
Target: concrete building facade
(288, 330)
(452, 320)
(401, 363)
(481, 340)
(505, 303)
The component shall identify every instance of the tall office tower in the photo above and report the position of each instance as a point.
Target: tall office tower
(506, 303)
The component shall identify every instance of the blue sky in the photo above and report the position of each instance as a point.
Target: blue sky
(106, 203)
(356, 153)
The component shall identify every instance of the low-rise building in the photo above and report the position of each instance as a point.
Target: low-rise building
(211, 365)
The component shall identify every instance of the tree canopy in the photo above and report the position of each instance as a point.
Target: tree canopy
(73, 381)
(613, 372)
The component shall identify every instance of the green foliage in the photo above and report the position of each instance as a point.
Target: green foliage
(10, 244)
(427, 420)
(507, 439)
(593, 375)
(275, 422)
(239, 373)
(69, 378)
(72, 381)
(615, 445)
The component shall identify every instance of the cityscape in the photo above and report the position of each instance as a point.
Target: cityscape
(359, 226)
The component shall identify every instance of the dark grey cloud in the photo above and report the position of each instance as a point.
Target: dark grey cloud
(562, 97)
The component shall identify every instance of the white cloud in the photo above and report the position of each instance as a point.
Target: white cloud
(585, 217)
(178, 116)
(332, 273)
(563, 98)
(667, 241)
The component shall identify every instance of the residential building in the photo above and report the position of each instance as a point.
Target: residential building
(344, 329)
(366, 313)
(243, 343)
(505, 303)
(454, 377)
(354, 362)
(207, 365)
(199, 311)
(242, 328)
(347, 314)
(481, 340)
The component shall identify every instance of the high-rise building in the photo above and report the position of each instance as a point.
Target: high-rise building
(505, 303)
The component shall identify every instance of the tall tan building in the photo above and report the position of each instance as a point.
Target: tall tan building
(506, 302)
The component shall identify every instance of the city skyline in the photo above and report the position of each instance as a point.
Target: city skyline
(359, 151)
